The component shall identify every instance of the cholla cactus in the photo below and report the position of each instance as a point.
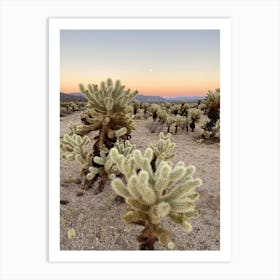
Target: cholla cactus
(153, 195)
(212, 102)
(145, 106)
(169, 121)
(163, 149)
(202, 106)
(108, 112)
(104, 165)
(162, 115)
(184, 109)
(136, 106)
(210, 131)
(213, 106)
(211, 125)
(180, 121)
(195, 115)
(175, 109)
(74, 148)
(153, 110)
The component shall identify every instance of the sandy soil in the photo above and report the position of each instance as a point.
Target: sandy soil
(97, 218)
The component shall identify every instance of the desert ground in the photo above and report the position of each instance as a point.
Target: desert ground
(96, 218)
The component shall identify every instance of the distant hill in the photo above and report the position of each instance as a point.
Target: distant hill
(191, 99)
(149, 98)
(73, 96)
(77, 96)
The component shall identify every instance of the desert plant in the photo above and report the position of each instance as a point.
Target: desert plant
(169, 121)
(212, 110)
(107, 112)
(136, 106)
(212, 103)
(153, 110)
(145, 106)
(202, 106)
(209, 131)
(180, 121)
(195, 115)
(184, 109)
(73, 147)
(161, 115)
(155, 194)
(162, 150)
(175, 109)
(104, 167)
(211, 125)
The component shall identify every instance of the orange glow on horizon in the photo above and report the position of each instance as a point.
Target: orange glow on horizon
(164, 91)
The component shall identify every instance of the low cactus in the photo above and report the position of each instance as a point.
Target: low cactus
(153, 195)
(74, 148)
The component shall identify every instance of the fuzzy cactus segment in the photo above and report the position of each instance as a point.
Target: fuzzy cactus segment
(153, 195)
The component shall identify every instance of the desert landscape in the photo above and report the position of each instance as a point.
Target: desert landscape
(140, 139)
(95, 219)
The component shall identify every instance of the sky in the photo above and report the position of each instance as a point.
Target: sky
(166, 63)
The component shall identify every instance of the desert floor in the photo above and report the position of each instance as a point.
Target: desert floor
(96, 218)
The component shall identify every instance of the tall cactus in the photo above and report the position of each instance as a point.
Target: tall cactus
(107, 112)
(153, 195)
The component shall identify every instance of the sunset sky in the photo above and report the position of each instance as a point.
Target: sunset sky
(155, 62)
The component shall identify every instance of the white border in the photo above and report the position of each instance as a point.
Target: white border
(55, 255)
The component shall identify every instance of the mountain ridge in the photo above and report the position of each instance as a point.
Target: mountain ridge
(79, 97)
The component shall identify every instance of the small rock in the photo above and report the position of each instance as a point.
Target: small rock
(64, 201)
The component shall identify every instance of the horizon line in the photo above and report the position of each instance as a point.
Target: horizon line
(148, 94)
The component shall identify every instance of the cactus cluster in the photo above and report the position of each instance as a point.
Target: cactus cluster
(108, 112)
(153, 188)
(67, 108)
(156, 191)
(181, 115)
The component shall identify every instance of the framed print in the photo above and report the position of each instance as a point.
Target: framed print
(51, 227)
(142, 168)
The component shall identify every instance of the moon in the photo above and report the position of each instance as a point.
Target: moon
(150, 70)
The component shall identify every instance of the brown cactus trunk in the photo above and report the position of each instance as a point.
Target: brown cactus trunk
(147, 239)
